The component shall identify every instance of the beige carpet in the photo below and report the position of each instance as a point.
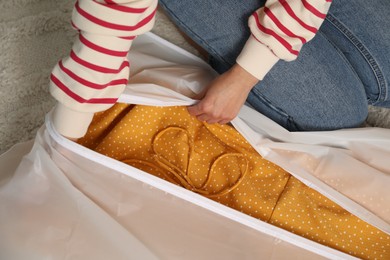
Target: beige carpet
(34, 35)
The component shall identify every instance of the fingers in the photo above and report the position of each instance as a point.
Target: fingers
(208, 119)
(222, 101)
(208, 116)
(195, 110)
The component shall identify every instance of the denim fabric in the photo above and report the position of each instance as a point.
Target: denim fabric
(337, 74)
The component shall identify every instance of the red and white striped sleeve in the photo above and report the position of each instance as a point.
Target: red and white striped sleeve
(96, 71)
(278, 31)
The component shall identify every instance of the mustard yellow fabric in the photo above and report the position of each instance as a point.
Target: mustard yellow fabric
(217, 162)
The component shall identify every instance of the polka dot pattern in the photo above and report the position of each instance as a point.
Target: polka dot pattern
(217, 162)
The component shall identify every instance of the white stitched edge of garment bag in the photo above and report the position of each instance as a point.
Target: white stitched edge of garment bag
(63, 201)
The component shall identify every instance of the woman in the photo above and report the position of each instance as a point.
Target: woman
(339, 72)
(341, 68)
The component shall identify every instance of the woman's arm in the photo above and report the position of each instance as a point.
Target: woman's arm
(96, 71)
(278, 31)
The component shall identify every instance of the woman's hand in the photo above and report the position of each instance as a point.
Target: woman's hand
(224, 97)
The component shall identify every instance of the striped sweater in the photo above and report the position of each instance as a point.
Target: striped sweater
(96, 71)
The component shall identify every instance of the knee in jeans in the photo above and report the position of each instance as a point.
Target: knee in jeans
(349, 116)
(305, 117)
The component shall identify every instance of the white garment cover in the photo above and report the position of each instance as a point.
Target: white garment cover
(63, 201)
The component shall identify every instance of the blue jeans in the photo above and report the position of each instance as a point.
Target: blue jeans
(342, 70)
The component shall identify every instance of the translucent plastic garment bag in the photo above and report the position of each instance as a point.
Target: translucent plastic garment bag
(59, 200)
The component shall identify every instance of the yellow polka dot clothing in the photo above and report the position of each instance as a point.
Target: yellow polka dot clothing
(217, 162)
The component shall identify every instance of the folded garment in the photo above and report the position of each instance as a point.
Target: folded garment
(217, 162)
